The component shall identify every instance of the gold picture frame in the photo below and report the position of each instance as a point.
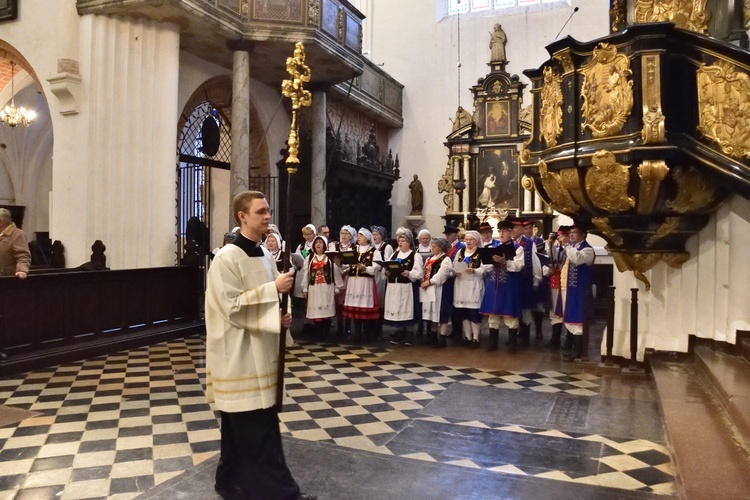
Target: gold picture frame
(497, 118)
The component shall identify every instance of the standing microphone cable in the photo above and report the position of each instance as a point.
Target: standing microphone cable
(566, 23)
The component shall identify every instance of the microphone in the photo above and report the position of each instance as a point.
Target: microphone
(566, 23)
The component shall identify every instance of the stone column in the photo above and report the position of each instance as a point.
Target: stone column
(240, 171)
(318, 178)
(538, 205)
(527, 203)
(465, 173)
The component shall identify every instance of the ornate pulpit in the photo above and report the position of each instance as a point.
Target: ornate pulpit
(641, 135)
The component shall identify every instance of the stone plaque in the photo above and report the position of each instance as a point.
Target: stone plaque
(569, 412)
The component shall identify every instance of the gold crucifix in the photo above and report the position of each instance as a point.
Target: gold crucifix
(300, 73)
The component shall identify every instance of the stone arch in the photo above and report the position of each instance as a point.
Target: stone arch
(218, 91)
(26, 153)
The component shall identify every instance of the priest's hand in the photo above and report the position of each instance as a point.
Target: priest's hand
(284, 281)
(286, 320)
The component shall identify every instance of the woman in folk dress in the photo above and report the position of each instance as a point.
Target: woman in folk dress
(361, 300)
(399, 295)
(346, 237)
(386, 251)
(469, 288)
(436, 308)
(321, 281)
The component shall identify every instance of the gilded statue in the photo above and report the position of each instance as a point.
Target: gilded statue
(724, 107)
(686, 14)
(607, 91)
(551, 115)
(498, 39)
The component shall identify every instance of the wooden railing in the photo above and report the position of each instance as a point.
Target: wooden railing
(51, 318)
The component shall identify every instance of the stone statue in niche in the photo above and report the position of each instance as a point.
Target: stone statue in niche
(463, 118)
(498, 39)
(417, 196)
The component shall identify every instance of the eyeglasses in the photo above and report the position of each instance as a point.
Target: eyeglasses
(264, 211)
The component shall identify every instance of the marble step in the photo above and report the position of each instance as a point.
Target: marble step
(709, 454)
(730, 376)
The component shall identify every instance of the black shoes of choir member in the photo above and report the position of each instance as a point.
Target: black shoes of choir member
(474, 344)
(398, 337)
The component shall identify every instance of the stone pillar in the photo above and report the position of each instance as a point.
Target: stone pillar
(527, 201)
(538, 205)
(318, 178)
(465, 174)
(240, 171)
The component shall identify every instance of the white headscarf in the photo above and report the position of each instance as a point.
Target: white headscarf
(475, 235)
(366, 233)
(350, 230)
(279, 242)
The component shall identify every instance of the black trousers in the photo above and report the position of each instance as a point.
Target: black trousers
(252, 458)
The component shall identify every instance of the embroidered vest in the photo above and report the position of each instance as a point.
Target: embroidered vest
(365, 259)
(407, 263)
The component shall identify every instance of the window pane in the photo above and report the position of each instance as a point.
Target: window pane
(528, 2)
(458, 6)
(477, 5)
(504, 3)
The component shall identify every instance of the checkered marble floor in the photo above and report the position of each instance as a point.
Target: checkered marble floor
(116, 426)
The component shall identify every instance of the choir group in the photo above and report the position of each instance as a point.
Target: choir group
(441, 282)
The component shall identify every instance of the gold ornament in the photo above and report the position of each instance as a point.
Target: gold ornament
(603, 224)
(607, 91)
(607, 183)
(724, 107)
(653, 119)
(553, 184)
(686, 14)
(652, 173)
(694, 191)
(551, 115)
(294, 89)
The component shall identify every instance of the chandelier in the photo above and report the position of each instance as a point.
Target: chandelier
(11, 115)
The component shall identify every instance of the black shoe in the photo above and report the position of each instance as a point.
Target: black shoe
(474, 344)
(228, 492)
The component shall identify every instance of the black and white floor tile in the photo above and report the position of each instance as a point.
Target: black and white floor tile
(119, 425)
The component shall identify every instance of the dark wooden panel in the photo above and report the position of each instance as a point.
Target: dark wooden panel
(55, 316)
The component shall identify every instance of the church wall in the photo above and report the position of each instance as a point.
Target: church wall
(114, 171)
(707, 297)
(419, 50)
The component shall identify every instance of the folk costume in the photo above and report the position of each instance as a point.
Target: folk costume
(450, 284)
(342, 324)
(531, 277)
(436, 305)
(386, 251)
(469, 290)
(278, 254)
(304, 249)
(557, 257)
(575, 282)
(424, 250)
(400, 295)
(361, 300)
(321, 281)
(243, 323)
(501, 302)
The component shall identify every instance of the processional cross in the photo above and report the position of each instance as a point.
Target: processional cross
(293, 89)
